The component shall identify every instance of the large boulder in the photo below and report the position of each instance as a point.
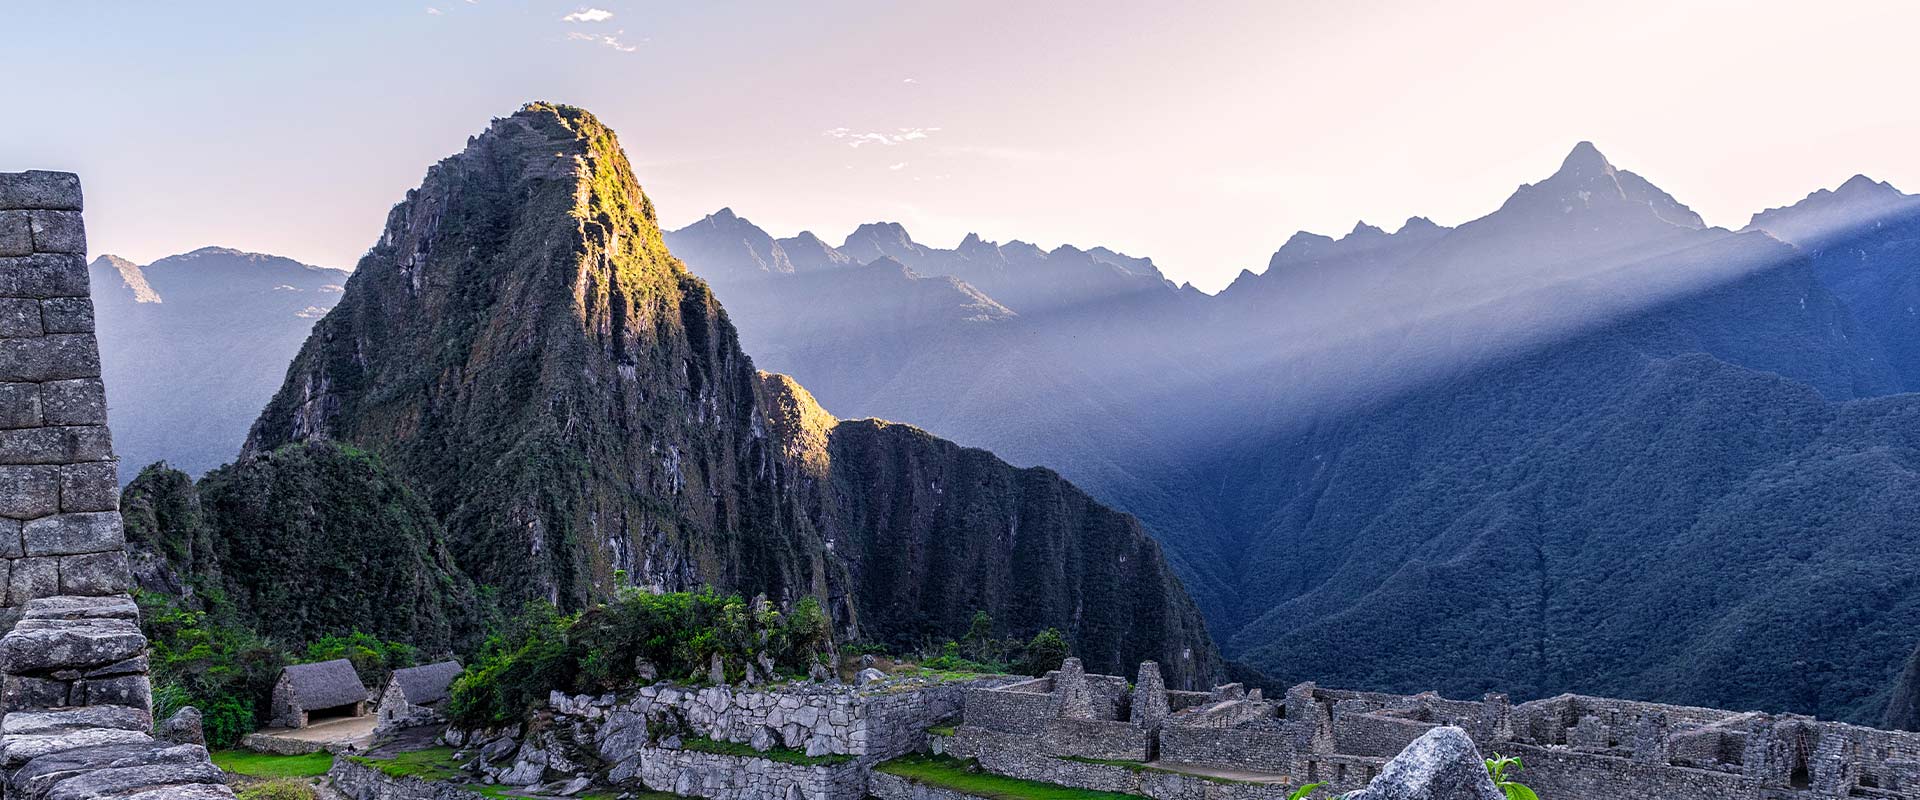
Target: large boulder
(1442, 764)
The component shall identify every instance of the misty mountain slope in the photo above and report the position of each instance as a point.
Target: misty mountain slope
(1864, 240)
(523, 353)
(1437, 457)
(192, 346)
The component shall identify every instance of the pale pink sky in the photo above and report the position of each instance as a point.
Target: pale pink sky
(1200, 134)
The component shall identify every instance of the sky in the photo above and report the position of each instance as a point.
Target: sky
(1199, 134)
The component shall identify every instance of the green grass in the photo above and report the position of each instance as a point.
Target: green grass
(431, 764)
(269, 765)
(947, 772)
(784, 755)
(941, 730)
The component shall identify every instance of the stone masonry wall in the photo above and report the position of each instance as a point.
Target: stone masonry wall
(59, 492)
(76, 706)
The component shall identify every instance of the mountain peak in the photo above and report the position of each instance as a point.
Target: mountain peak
(1585, 160)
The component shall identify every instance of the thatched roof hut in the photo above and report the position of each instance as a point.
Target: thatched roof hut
(328, 686)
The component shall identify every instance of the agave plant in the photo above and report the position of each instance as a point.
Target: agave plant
(1497, 768)
(1302, 792)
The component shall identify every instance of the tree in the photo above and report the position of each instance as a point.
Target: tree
(1045, 652)
(978, 642)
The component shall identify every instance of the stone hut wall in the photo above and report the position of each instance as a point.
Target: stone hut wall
(1102, 739)
(1018, 708)
(1263, 748)
(1376, 733)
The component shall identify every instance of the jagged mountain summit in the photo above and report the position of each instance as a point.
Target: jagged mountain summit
(522, 352)
(1855, 207)
(192, 346)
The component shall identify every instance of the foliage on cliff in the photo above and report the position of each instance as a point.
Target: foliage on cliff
(675, 635)
(310, 540)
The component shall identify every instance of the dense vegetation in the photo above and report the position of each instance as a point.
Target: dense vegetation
(677, 635)
(308, 541)
(214, 661)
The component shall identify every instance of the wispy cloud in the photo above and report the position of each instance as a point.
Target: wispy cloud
(897, 136)
(911, 80)
(897, 167)
(433, 11)
(588, 15)
(613, 41)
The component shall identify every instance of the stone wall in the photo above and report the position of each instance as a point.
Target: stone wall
(59, 492)
(356, 781)
(1018, 756)
(77, 704)
(690, 773)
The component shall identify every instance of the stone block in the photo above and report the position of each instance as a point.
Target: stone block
(10, 547)
(59, 232)
(29, 492)
(46, 645)
(70, 607)
(82, 401)
(93, 486)
(39, 188)
(20, 406)
(67, 315)
(43, 275)
(95, 573)
(52, 357)
(20, 316)
(32, 578)
(16, 234)
(21, 693)
(126, 690)
(73, 534)
(63, 445)
(26, 723)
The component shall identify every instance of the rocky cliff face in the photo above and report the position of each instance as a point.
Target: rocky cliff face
(574, 408)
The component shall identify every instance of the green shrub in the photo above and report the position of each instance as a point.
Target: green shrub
(679, 633)
(201, 659)
(373, 658)
(1045, 652)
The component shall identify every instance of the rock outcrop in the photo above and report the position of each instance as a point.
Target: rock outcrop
(1442, 764)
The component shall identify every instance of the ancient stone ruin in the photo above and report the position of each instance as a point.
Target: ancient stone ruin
(1574, 747)
(77, 704)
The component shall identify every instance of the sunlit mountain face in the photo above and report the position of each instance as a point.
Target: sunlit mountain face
(1494, 456)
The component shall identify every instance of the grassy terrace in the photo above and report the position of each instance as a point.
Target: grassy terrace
(784, 755)
(431, 764)
(268, 765)
(947, 772)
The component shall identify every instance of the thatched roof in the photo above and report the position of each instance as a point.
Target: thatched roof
(325, 685)
(428, 683)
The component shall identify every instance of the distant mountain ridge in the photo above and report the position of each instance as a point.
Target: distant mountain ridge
(1348, 454)
(192, 344)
